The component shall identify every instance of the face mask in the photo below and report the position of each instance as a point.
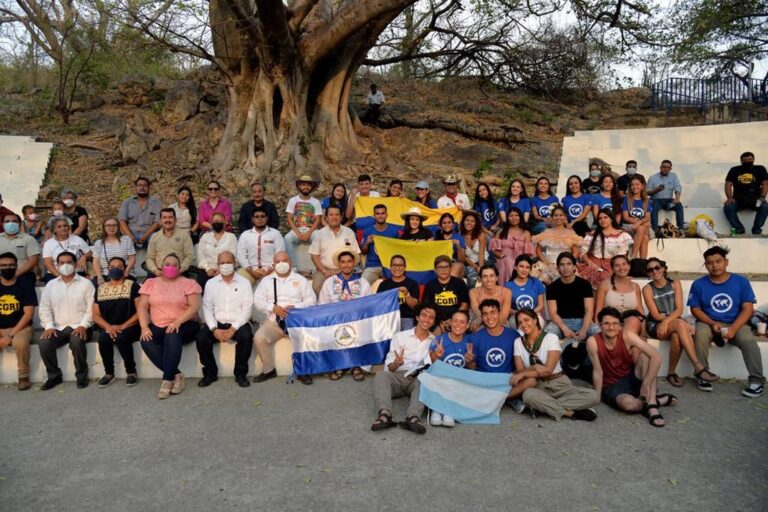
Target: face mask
(58, 213)
(170, 271)
(594, 174)
(66, 269)
(631, 170)
(69, 203)
(33, 217)
(8, 273)
(283, 267)
(116, 274)
(747, 165)
(227, 269)
(218, 227)
(11, 228)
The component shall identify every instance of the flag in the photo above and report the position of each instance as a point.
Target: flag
(419, 256)
(343, 335)
(395, 207)
(466, 395)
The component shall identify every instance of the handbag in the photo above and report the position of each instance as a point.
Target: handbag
(637, 267)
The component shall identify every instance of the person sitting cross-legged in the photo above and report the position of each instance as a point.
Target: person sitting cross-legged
(227, 309)
(537, 356)
(626, 386)
(408, 351)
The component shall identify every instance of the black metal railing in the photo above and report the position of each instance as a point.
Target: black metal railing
(703, 93)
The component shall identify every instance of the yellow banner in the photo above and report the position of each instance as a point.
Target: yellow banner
(419, 255)
(398, 205)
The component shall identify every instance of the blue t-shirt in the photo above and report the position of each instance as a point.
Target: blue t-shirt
(602, 202)
(523, 204)
(454, 352)
(488, 214)
(575, 206)
(493, 354)
(542, 205)
(637, 210)
(527, 295)
(454, 236)
(721, 302)
(372, 259)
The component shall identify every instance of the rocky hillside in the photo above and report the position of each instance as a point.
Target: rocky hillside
(168, 130)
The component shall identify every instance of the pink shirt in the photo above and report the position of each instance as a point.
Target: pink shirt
(205, 211)
(168, 300)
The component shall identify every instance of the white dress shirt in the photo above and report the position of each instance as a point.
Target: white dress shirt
(209, 248)
(292, 290)
(227, 302)
(416, 350)
(326, 242)
(256, 249)
(67, 304)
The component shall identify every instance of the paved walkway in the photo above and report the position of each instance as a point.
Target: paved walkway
(290, 447)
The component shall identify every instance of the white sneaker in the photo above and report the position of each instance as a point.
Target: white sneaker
(448, 422)
(435, 419)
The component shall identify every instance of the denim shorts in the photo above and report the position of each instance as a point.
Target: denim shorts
(629, 385)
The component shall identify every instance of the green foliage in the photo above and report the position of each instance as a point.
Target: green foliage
(485, 166)
(511, 174)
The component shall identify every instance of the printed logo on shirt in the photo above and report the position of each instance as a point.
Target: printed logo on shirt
(746, 179)
(455, 360)
(495, 357)
(446, 299)
(524, 302)
(544, 211)
(345, 335)
(488, 215)
(575, 210)
(304, 214)
(9, 305)
(637, 212)
(722, 302)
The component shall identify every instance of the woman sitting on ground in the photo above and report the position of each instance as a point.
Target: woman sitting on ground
(475, 242)
(622, 293)
(527, 292)
(605, 242)
(537, 356)
(510, 242)
(554, 240)
(489, 289)
(664, 300)
(636, 216)
(447, 231)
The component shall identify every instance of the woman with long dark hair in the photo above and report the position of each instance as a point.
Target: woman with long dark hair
(607, 198)
(554, 240)
(186, 212)
(636, 216)
(516, 197)
(510, 242)
(622, 293)
(475, 242)
(485, 205)
(413, 228)
(447, 231)
(541, 203)
(338, 198)
(605, 242)
(578, 206)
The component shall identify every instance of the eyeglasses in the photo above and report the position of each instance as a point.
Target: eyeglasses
(213, 189)
(442, 267)
(651, 270)
(259, 216)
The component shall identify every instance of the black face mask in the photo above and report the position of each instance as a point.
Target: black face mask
(747, 165)
(8, 273)
(218, 227)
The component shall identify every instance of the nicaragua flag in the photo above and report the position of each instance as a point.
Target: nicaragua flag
(466, 395)
(419, 256)
(343, 335)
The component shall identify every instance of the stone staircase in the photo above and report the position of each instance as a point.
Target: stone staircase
(23, 164)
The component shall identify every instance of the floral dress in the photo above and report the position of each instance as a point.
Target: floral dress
(615, 244)
(552, 244)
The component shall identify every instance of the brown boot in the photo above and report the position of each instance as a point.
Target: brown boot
(24, 384)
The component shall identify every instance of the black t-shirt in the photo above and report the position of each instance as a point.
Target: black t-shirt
(422, 234)
(245, 219)
(590, 187)
(747, 182)
(446, 298)
(570, 297)
(13, 299)
(117, 303)
(75, 218)
(623, 182)
(412, 287)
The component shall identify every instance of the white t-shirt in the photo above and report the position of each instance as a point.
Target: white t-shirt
(74, 244)
(548, 344)
(304, 211)
(462, 201)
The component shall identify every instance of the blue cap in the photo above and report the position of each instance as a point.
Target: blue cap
(423, 184)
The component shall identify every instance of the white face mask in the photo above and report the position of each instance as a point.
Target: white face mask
(66, 269)
(283, 267)
(227, 269)
(631, 170)
(69, 203)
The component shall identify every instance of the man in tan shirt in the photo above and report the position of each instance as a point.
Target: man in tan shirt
(168, 241)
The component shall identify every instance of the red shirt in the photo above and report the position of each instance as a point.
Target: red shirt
(616, 363)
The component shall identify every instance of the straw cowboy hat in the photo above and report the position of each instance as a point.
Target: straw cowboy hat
(344, 250)
(413, 211)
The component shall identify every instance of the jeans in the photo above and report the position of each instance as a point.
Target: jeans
(76, 345)
(292, 244)
(731, 213)
(243, 348)
(164, 350)
(662, 204)
(124, 342)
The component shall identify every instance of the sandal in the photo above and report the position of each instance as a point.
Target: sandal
(711, 377)
(671, 399)
(358, 374)
(675, 380)
(414, 424)
(653, 419)
(336, 375)
(384, 421)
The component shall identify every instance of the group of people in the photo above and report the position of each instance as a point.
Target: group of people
(484, 310)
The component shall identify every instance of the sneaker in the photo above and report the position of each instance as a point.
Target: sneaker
(178, 384)
(106, 381)
(165, 389)
(517, 405)
(131, 380)
(448, 421)
(753, 391)
(435, 419)
(585, 415)
(704, 385)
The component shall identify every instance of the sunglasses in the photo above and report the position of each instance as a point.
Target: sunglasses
(213, 189)
(651, 270)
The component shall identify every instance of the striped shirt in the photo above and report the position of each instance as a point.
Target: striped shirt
(106, 251)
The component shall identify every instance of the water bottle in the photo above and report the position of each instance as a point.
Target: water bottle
(733, 232)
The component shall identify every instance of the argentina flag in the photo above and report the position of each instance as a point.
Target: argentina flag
(466, 395)
(343, 335)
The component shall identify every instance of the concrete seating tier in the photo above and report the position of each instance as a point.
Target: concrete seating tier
(23, 164)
